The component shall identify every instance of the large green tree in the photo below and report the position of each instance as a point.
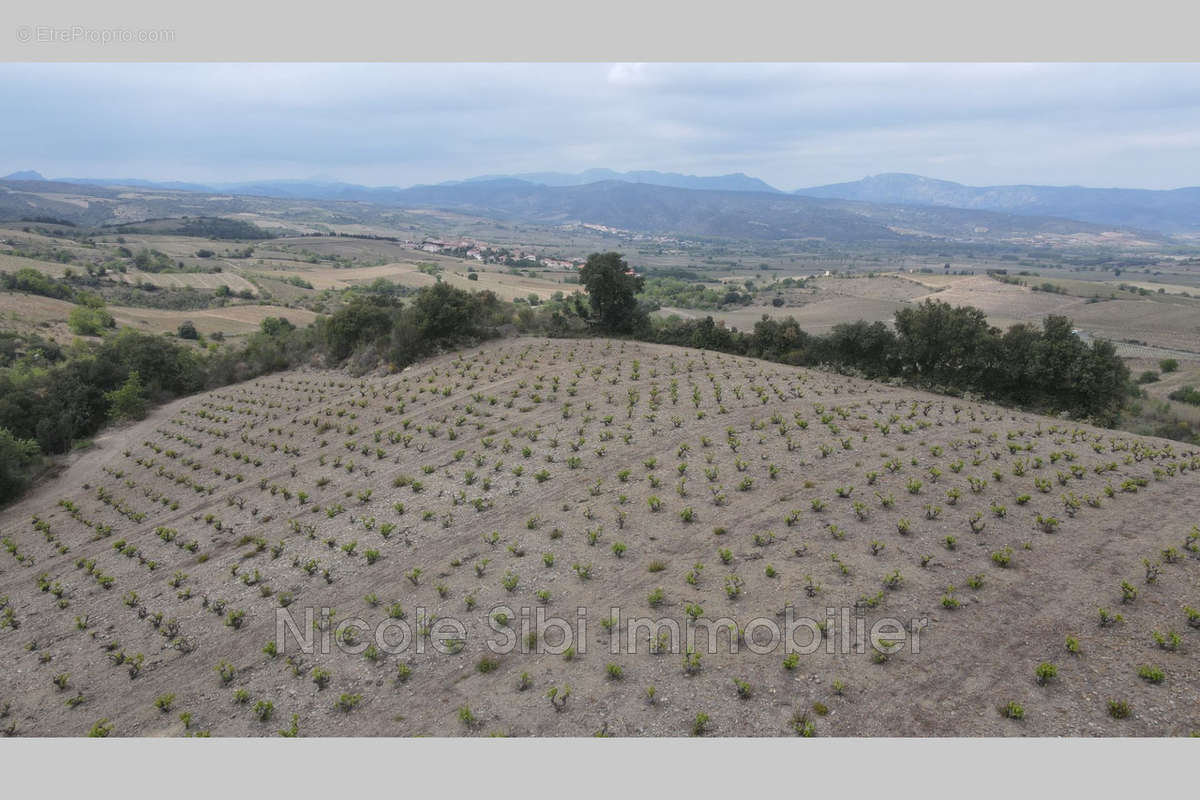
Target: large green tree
(944, 345)
(612, 288)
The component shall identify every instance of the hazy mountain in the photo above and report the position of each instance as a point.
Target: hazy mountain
(314, 189)
(739, 215)
(1167, 211)
(638, 207)
(648, 208)
(735, 182)
(180, 186)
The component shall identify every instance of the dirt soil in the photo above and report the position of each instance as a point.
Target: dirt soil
(321, 490)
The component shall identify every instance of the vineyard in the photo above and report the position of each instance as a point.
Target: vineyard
(1049, 570)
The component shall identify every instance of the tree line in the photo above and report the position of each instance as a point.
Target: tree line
(934, 346)
(51, 397)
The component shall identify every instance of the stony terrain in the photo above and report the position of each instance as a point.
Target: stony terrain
(139, 591)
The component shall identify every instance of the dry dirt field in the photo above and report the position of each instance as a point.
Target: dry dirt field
(1170, 323)
(140, 589)
(48, 316)
(195, 280)
(506, 286)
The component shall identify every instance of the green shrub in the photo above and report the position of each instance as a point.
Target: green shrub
(1150, 674)
(348, 702)
(1012, 710)
(89, 321)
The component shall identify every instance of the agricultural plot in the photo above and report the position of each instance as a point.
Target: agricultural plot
(231, 320)
(195, 280)
(818, 315)
(1033, 576)
(48, 316)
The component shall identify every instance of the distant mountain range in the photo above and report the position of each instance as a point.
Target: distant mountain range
(636, 207)
(318, 189)
(735, 182)
(1163, 211)
(1166, 211)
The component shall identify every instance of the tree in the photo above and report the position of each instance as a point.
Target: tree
(187, 330)
(611, 287)
(868, 346)
(444, 312)
(16, 457)
(128, 402)
(273, 326)
(1168, 365)
(944, 345)
(89, 321)
(364, 319)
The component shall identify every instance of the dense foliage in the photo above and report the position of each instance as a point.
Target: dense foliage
(1186, 394)
(690, 294)
(51, 398)
(223, 228)
(612, 287)
(31, 281)
(944, 349)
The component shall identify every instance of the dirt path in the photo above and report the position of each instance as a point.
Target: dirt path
(86, 467)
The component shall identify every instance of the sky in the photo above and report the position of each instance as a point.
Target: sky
(792, 125)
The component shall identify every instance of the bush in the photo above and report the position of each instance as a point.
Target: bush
(1045, 672)
(129, 402)
(1150, 674)
(101, 729)
(1012, 710)
(1186, 394)
(17, 458)
(89, 321)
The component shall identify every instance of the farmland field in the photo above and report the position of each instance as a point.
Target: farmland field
(1168, 322)
(27, 313)
(604, 481)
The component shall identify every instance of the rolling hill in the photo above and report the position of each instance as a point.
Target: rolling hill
(148, 590)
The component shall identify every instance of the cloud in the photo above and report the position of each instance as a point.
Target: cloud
(790, 124)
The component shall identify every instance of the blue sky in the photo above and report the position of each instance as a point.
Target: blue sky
(792, 125)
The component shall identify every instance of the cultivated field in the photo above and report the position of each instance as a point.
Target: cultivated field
(26, 313)
(141, 588)
(1161, 322)
(194, 280)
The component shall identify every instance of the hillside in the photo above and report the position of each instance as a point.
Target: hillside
(556, 475)
(1165, 211)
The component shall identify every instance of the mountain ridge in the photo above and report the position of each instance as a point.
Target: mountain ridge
(635, 207)
(1161, 210)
